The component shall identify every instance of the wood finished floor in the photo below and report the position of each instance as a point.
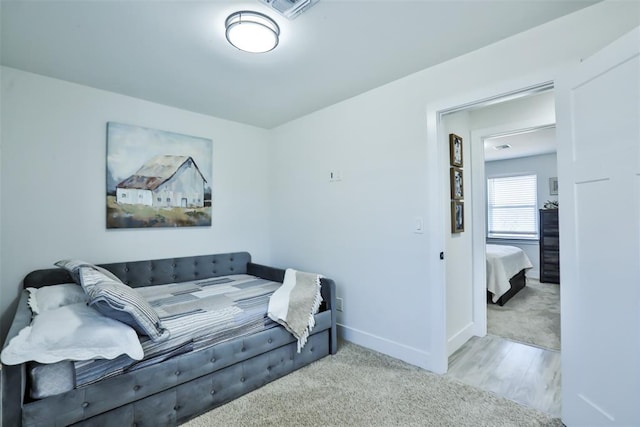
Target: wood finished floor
(522, 373)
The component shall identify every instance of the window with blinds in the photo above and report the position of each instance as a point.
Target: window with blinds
(512, 207)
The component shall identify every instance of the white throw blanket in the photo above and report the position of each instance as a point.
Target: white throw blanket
(294, 304)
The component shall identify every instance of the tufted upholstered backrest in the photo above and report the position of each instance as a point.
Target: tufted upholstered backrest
(155, 272)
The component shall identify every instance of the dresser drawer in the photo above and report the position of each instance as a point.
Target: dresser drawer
(550, 242)
(550, 257)
(549, 218)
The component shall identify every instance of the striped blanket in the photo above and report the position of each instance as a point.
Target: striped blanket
(198, 314)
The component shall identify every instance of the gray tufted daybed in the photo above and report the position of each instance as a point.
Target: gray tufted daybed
(180, 388)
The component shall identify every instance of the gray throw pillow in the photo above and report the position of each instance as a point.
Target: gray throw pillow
(121, 302)
(73, 267)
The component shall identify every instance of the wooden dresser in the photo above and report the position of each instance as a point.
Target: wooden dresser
(549, 246)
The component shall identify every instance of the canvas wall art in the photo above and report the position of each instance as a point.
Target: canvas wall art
(157, 178)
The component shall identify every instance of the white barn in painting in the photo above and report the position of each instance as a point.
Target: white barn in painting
(164, 181)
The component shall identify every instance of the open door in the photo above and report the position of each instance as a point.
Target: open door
(598, 111)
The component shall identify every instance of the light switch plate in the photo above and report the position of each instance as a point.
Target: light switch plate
(418, 225)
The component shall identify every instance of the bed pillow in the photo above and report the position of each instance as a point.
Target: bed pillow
(72, 332)
(73, 267)
(54, 296)
(121, 302)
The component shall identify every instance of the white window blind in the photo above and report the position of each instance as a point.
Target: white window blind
(512, 207)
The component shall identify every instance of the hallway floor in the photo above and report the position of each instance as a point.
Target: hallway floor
(525, 374)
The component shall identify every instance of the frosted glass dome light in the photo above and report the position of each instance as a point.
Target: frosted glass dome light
(252, 31)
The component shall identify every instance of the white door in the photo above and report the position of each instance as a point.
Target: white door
(598, 112)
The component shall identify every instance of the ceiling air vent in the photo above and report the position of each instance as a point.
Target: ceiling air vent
(290, 9)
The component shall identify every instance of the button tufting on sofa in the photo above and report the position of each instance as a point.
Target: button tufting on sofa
(264, 356)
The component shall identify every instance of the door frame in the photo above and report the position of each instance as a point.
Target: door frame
(438, 175)
(478, 198)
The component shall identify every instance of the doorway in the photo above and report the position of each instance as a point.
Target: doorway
(509, 120)
(528, 112)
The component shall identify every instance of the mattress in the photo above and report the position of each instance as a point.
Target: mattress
(504, 262)
(199, 314)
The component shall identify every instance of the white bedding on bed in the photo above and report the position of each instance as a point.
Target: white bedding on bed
(504, 262)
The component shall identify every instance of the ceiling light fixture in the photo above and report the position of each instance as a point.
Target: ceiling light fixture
(252, 31)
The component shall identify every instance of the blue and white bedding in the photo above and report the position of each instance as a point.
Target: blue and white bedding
(198, 314)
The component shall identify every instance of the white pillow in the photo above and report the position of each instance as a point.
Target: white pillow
(54, 296)
(72, 332)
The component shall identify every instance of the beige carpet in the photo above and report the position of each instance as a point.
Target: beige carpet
(359, 387)
(532, 316)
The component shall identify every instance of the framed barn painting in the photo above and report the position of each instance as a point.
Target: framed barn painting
(157, 178)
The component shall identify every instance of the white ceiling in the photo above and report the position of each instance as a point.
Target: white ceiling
(523, 144)
(175, 52)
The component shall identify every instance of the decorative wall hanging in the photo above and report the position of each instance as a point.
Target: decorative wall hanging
(456, 183)
(455, 150)
(457, 217)
(157, 178)
(553, 186)
(457, 187)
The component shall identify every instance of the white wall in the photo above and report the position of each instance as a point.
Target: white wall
(458, 246)
(359, 230)
(538, 109)
(544, 166)
(53, 181)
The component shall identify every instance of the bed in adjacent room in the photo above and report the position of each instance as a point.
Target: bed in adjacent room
(506, 267)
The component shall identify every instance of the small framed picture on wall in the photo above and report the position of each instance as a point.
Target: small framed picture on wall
(455, 150)
(457, 216)
(457, 187)
(553, 186)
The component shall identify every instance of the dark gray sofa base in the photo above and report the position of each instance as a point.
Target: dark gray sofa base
(183, 387)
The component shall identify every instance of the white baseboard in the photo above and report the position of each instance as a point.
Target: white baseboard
(391, 348)
(459, 338)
